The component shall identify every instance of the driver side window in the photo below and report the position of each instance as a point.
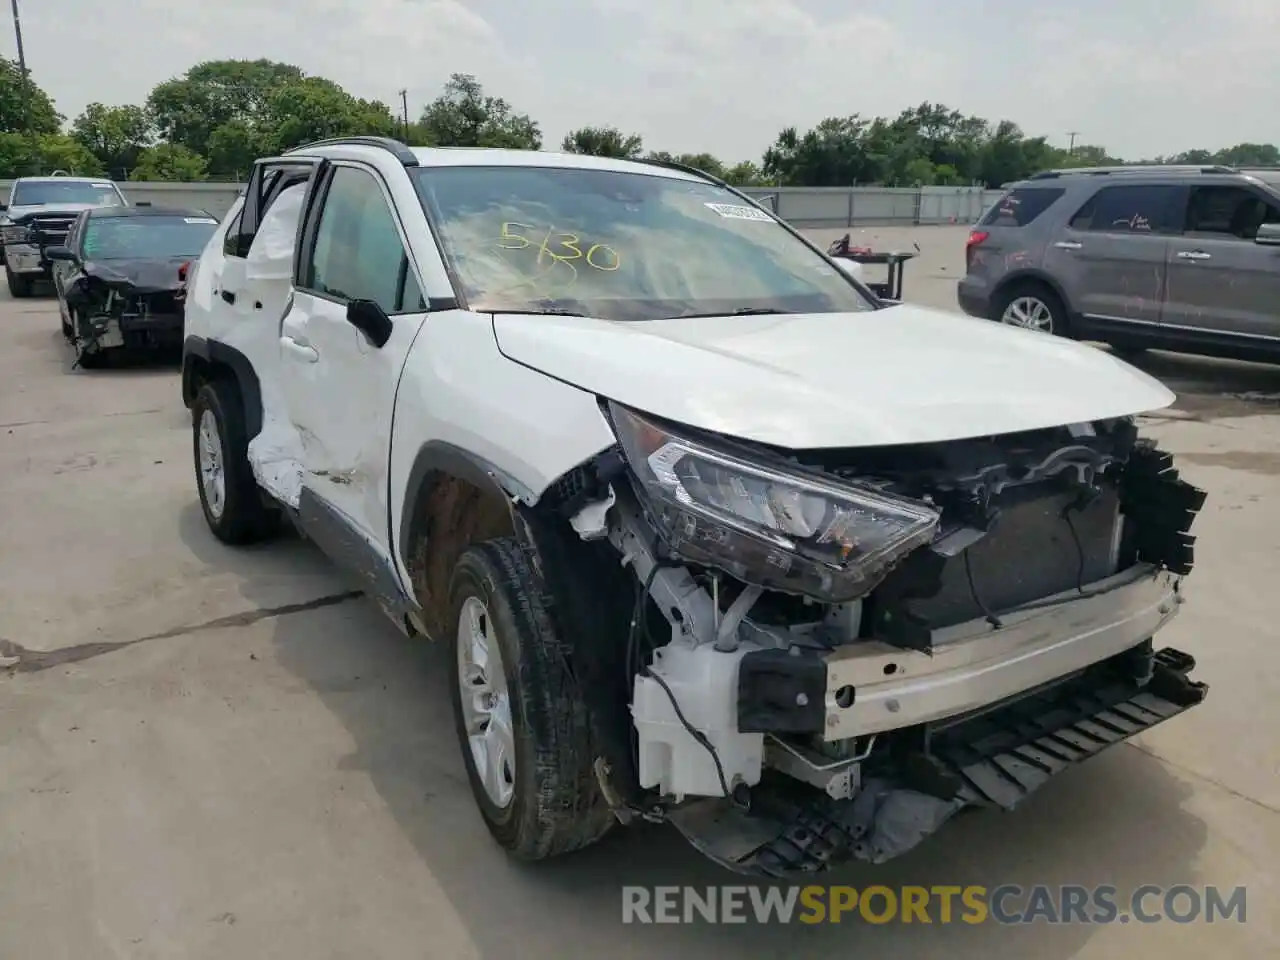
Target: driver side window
(357, 253)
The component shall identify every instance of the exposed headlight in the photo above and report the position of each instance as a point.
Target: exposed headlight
(772, 525)
(14, 234)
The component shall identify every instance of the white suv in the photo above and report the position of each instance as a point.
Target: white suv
(715, 537)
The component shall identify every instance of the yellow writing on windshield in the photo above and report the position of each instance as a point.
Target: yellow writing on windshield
(558, 246)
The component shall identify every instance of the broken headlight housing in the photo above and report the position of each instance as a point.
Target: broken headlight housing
(769, 524)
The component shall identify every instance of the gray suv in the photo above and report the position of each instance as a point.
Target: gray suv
(1183, 258)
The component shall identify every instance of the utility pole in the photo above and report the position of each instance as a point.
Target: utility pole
(404, 106)
(17, 32)
(1071, 150)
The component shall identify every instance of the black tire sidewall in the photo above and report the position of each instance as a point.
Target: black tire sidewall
(477, 576)
(244, 517)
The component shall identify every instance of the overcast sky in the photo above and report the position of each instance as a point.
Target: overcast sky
(1141, 77)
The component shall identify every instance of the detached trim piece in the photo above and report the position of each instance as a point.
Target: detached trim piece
(1161, 508)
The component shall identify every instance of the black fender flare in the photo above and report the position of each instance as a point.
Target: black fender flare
(198, 351)
(439, 457)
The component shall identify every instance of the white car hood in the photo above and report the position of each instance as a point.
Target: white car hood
(904, 374)
(15, 212)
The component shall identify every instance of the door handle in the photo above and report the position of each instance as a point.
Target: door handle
(300, 351)
(1194, 255)
(1068, 244)
(228, 296)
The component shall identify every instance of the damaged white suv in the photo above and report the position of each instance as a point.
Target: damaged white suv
(716, 537)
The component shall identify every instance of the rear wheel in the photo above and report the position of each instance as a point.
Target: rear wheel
(523, 727)
(230, 497)
(1031, 306)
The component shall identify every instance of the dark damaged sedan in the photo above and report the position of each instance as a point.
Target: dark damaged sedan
(121, 280)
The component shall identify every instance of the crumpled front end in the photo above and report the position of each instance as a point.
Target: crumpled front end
(139, 307)
(834, 652)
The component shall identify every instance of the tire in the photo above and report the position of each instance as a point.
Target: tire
(1039, 301)
(234, 509)
(67, 330)
(19, 286)
(555, 805)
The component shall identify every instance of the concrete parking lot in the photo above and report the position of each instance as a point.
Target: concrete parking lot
(208, 753)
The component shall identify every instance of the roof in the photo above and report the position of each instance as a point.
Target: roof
(494, 157)
(101, 213)
(61, 179)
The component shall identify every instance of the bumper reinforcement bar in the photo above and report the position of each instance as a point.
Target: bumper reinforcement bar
(993, 759)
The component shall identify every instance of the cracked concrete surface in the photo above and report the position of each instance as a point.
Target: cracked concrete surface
(209, 753)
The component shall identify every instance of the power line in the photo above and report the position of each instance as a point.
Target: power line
(1072, 148)
(404, 104)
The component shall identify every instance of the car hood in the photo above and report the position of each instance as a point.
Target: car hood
(903, 374)
(142, 276)
(15, 212)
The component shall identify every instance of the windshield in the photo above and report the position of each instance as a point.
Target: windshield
(622, 246)
(146, 238)
(37, 192)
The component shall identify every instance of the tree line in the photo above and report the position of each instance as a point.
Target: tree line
(216, 119)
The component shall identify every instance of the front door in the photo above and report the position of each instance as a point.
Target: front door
(1111, 258)
(1220, 280)
(339, 384)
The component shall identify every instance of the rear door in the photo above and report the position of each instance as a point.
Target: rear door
(1220, 280)
(1111, 257)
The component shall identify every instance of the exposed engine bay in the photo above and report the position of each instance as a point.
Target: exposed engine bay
(127, 304)
(831, 652)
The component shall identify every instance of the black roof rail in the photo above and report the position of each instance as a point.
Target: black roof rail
(1133, 168)
(401, 150)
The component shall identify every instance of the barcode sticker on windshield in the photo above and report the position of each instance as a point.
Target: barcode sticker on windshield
(735, 212)
(199, 220)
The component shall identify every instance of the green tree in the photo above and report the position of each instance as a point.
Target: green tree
(234, 146)
(115, 135)
(24, 107)
(188, 109)
(745, 174)
(603, 142)
(464, 116)
(42, 154)
(315, 109)
(171, 162)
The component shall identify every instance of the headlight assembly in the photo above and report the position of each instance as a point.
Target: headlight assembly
(780, 528)
(13, 233)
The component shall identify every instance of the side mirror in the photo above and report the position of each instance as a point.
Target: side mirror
(371, 320)
(1268, 235)
(3, 207)
(60, 253)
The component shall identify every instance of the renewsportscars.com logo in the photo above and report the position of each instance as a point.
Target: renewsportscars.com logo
(1008, 904)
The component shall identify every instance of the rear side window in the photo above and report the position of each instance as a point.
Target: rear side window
(1132, 208)
(1020, 206)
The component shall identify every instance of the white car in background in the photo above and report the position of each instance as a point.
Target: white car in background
(38, 214)
(714, 536)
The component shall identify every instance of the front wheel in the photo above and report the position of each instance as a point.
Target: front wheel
(522, 724)
(229, 495)
(1031, 307)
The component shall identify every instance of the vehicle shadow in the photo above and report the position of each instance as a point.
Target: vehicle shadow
(1117, 820)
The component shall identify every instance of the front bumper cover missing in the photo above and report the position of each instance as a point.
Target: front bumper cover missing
(995, 758)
